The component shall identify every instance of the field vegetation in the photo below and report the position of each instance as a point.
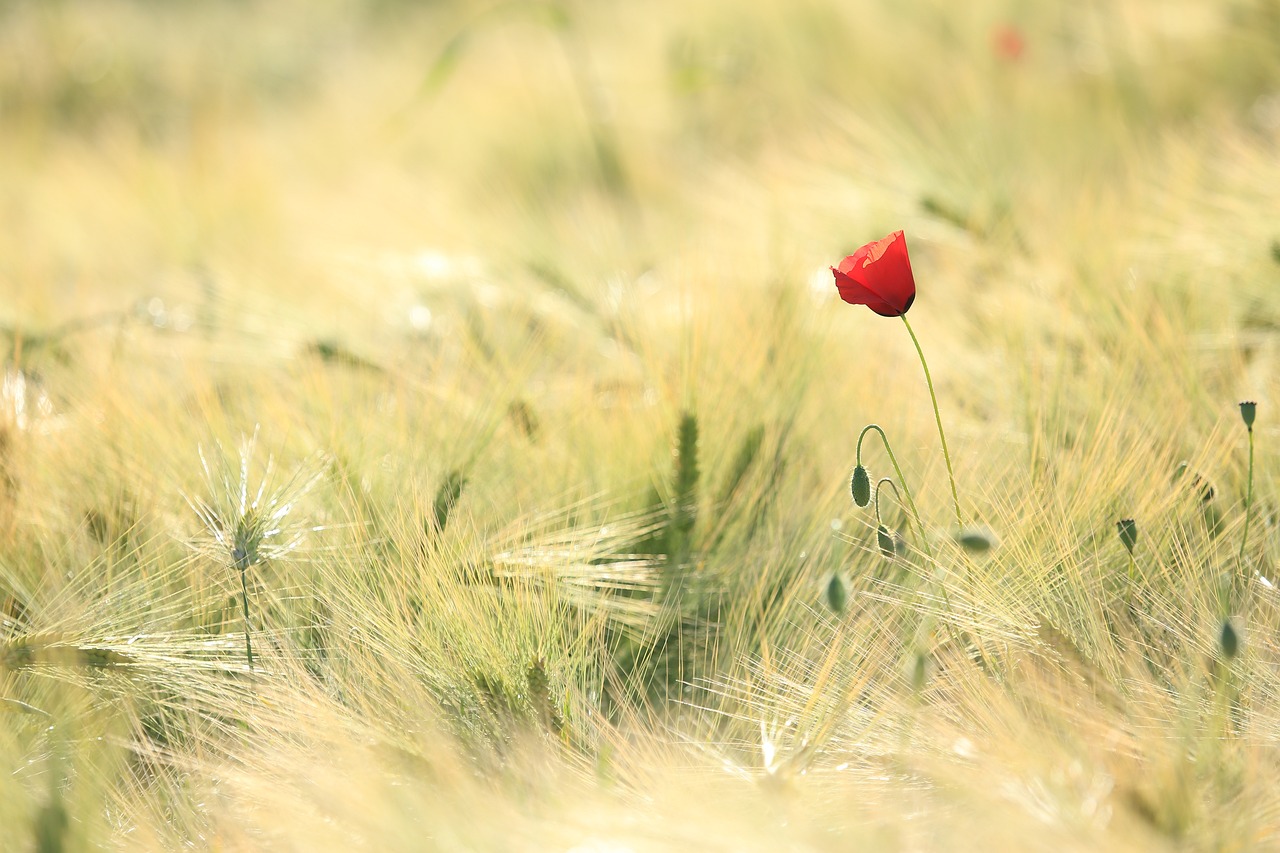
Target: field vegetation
(429, 426)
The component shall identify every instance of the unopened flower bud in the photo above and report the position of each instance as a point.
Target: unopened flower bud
(837, 594)
(919, 671)
(885, 540)
(861, 486)
(976, 540)
(1229, 640)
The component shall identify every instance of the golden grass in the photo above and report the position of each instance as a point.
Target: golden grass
(478, 298)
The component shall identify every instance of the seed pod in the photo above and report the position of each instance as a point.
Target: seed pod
(885, 540)
(976, 540)
(1203, 487)
(861, 486)
(837, 594)
(1248, 411)
(1228, 640)
(919, 671)
(1128, 530)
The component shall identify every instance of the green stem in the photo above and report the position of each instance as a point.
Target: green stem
(1133, 580)
(946, 454)
(244, 599)
(885, 481)
(897, 469)
(1248, 502)
(906, 490)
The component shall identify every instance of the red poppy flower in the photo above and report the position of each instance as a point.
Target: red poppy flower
(878, 276)
(1008, 43)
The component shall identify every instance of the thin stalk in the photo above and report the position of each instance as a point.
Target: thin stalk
(1133, 581)
(1248, 502)
(897, 469)
(882, 482)
(244, 599)
(946, 454)
(906, 490)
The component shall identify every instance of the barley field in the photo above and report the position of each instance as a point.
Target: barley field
(430, 426)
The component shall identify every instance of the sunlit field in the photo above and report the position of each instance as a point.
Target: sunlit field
(430, 426)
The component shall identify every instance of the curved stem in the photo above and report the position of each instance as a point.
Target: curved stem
(882, 481)
(946, 454)
(924, 540)
(897, 469)
(248, 647)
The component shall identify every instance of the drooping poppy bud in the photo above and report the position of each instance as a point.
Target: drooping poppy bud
(1128, 530)
(1248, 411)
(878, 276)
(861, 486)
(919, 671)
(1202, 486)
(976, 540)
(1228, 640)
(885, 540)
(837, 594)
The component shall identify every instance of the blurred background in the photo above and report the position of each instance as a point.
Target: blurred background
(344, 156)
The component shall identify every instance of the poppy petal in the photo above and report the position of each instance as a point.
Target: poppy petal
(879, 276)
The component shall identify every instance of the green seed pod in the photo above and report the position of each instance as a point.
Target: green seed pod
(976, 540)
(1203, 487)
(861, 486)
(1206, 489)
(1229, 640)
(837, 594)
(1248, 411)
(1128, 530)
(919, 671)
(885, 540)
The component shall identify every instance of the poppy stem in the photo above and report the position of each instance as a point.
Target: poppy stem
(906, 490)
(882, 482)
(946, 454)
(248, 646)
(1248, 501)
(1133, 579)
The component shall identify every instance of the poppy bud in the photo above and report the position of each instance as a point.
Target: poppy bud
(976, 540)
(885, 540)
(1229, 640)
(1128, 530)
(861, 486)
(1248, 410)
(1206, 489)
(837, 594)
(919, 671)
